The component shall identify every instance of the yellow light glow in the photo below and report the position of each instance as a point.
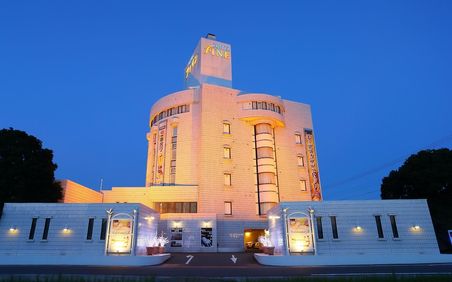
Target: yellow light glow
(13, 229)
(416, 228)
(119, 246)
(358, 228)
(66, 230)
(247, 234)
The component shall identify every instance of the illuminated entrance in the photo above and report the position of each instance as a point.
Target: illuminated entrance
(250, 239)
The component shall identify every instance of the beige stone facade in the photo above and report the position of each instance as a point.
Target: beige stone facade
(217, 151)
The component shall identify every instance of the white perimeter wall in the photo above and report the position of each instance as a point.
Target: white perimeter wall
(350, 214)
(73, 216)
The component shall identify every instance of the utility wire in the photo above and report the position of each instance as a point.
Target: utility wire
(388, 164)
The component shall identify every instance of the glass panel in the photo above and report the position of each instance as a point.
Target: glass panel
(267, 178)
(319, 227)
(379, 227)
(45, 234)
(31, 235)
(263, 128)
(264, 152)
(227, 208)
(395, 231)
(89, 233)
(334, 227)
(227, 152)
(227, 179)
(103, 230)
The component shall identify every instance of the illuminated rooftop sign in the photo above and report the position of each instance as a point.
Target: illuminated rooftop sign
(219, 50)
(191, 65)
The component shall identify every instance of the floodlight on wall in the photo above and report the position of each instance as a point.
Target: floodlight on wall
(66, 230)
(358, 228)
(13, 229)
(207, 224)
(177, 224)
(416, 227)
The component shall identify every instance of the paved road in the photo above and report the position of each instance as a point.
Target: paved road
(222, 265)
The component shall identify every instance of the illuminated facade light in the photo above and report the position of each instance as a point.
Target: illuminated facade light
(13, 229)
(415, 228)
(358, 228)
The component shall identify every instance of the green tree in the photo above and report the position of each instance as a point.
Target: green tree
(26, 170)
(426, 175)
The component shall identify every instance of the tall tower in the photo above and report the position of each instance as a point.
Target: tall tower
(210, 64)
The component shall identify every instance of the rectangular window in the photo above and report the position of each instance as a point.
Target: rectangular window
(228, 208)
(175, 131)
(303, 185)
(300, 160)
(45, 233)
(395, 231)
(297, 138)
(254, 105)
(319, 227)
(226, 128)
(193, 207)
(31, 235)
(103, 229)
(227, 152)
(334, 227)
(89, 232)
(379, 226)
(227, 179)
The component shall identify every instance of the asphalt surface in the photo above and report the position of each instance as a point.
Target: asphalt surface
(222, 265)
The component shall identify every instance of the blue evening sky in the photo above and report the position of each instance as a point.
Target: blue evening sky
(82, 76)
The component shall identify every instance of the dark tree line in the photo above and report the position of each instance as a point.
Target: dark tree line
(26, 170)
(426, 175)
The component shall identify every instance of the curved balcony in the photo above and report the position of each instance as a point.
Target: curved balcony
(268, 197)
(264, 142)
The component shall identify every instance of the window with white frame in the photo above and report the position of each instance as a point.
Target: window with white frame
(226, 128)
(227, 152)
(300, 160)
(303, 185)
(227, 179)
(298, 138)
(228, 208)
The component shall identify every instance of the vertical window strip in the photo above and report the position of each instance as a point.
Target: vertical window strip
(334, 227)
(379, 226)
(31, 235)
(45, 233)
(395, 231)
(89, 232)
(319, 227)
(103, 229)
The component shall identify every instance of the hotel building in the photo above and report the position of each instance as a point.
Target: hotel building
(223, 165)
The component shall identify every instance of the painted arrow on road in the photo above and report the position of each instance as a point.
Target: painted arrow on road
(234, 259)
(190, 257)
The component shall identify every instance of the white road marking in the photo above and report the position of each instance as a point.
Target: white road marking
(190, 257)
(234, 259)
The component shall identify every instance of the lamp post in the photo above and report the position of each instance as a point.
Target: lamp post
(286, 235)
(311, 217)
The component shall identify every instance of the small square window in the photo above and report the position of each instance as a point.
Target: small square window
(227, 152)
(303, 185)
(226, 128)
(228, 208)
(227, 179)
(300, 160)
(298, 138)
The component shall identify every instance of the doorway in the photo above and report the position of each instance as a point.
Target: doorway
(250, 240)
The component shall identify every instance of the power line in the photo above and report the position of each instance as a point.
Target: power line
(388, 164)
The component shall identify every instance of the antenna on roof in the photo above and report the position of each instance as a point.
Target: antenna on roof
(101, 183)
(211, 36)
